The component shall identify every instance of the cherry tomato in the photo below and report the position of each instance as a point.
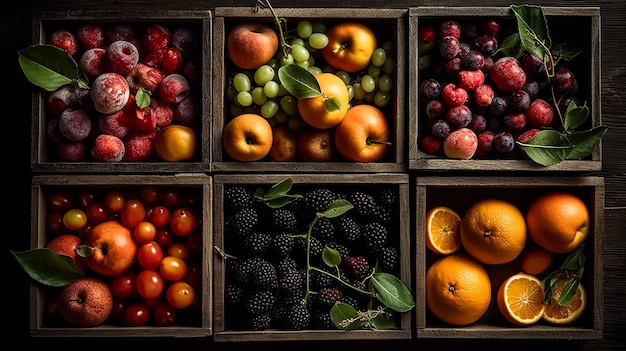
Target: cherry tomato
(137, 315)
(164, 236)
(164, 314)
(160, 216)
(85, 197)
(82, 233)
(182, 221)
(54, 223)
(170, 198)
(180, 294)
(118, 310)
(173, 268)
(124, 286)
(150, 284)
(194, 243)
(75, 219)
(152, 302)
(144, 232)
(150, 255)
(133, 213)
(96, 212)
(59, 201)
(149, 194)
(114, 200)
(179, 250)
(193, 275)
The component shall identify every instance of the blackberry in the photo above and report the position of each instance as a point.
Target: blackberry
(315, 250)
(348, 229)
(257, 302)
(237, 197)
(364, 203)
(318, 200)
(233, 294)
(388, 258)
(319, 280)
(343, 250)
(298, 317)
(374, 236)
(290, 281)
(257, 243)
(245, 270)
(324, 230)
(388, 196)
(286, 264)
(278, 313)
(282, 244)
(382, 214)
(264, 275)
(351, 300)
(328, 296)
(259, 321)
(283, 220)
(321, 319)
(359, 267)
(291, 298)
(244, 221)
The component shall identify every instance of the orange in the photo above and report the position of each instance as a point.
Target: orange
(313, 111)
(558, 221)
(175, 143)
(443, 230)
(535, 260)
(520, 299)
(363, 135)
(458, 289)
(493, 231)
(350, 46)
(557, 314)
(247, 137)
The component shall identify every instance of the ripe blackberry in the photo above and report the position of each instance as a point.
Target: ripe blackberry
(352, 301)
(348, 229)
(382, 213)
(245, 270)
(237, 197)
(374, 236)
(257, 302)
(364, 203)
(244, 221)
(318, 200)
(321, 319)
(359, 267)
(233, 294)
(257, 243)
(283, 220)
(343, 250)
(388, 258)
(315, 250)
(290, 281)
(324, 230)
(319, 280)
(259, 321)
(388, 196)
(286, 264)
(264, 275)
(328, 296)
(278, 313)
(298, 317)
(282, 244)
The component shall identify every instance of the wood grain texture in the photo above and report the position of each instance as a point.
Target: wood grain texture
(15, 34)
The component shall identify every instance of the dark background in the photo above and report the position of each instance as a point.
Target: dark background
(15, 34)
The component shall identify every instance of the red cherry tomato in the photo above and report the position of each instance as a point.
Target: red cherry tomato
(114, 200)
(54, 223)
(149, 194)
(194, 243)
(182, 221)
(180, 294)
(173, 268)
(136, 315)
(164, 314)
(150, 284)
(171, 198)
(194, 274)
(96, 212)
(150, 255)
(86, 197)
(144, 232)
(179, 250)
(160, 216)
(164, 236)
(133, 213)
(124, 286)
(59, 201)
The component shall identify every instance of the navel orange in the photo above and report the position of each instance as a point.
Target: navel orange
(557, 314)
(443, 230)
(458, 289)
(520, 299)
(535, 260)
(493, 231)
(313, 111)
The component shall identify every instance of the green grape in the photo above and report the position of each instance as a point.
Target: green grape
(274, 63)
(242, 82)
(304, 64)
(359, 93)
(373, 71)
(244, 98)
(281, 116)
(271, 89)
(389, 47)
(258, 96)
(318, 40)
(369, 97)
(286, 59)
(345, 76)
(282, 91)
(269, 109)
(385, 83)
(263, 74)
(305, 28)
(299, 53)
(235, 109)
(289, 104)
(378, 57)
(390, 65)
(381, 98)
(295, 123)
(319, 27)
(368, 83)
(231, 92)
(297, 41)
(315, 70)
(311, 60)
(350, 92)
(329, 69)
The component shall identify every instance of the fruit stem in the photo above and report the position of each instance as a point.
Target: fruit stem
(370, 141)
(279, 24)
(338, 49)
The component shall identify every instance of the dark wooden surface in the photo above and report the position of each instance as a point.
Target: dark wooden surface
(15, 34)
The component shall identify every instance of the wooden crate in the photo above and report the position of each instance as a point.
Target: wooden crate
(200, 188)
(43, 154)
(387, 24)
(398, 235)
(562, 21)
(459, 194)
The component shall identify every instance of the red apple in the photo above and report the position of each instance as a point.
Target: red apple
(144, 76)
(66, 244)
(85, 302)
(251, 45)
(109, 248)
(317, 145)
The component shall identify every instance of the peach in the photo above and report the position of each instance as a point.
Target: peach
(460, 144)
(86, 302)
(250, 45)
(108, 148)
(109, 92)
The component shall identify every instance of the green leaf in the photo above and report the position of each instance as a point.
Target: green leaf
(48, 267)
(569, 291)
(341, 313)
(279, 202)
(331, 256)
(298, 81)
(575, 260)
(332, 104)
(280, 188)
(575, 115)
(547, 148)
(566, 51)
(510, 46)
(392, 292)
(277, 196)
(142, 98)
(49, 67)
(584, 142)
(337, 208)
(384, 321)
(533, 29)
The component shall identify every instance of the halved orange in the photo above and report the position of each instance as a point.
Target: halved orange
(520, 299)
(443, 230)
(557, 314)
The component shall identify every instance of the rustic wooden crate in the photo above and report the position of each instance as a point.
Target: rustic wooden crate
(386, 23)
(585, 21)
(336, 182)
(459, 194)
(202, 184)
(43, 158)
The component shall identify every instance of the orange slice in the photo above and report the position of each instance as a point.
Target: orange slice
(520, 299)
(443, 230)
(557, 314)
